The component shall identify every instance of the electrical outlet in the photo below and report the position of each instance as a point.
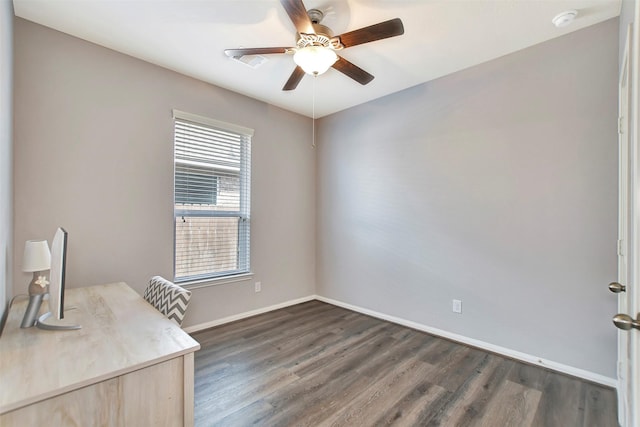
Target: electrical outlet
(457, 306)
(258, 286)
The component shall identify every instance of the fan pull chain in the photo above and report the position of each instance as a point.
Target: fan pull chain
(313, 114)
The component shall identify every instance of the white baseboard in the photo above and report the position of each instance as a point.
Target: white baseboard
(565, 369)
(199, 327)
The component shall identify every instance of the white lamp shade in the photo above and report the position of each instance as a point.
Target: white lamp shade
(315, 60)
(36, 256)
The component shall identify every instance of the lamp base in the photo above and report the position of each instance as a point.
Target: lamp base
(38, 283)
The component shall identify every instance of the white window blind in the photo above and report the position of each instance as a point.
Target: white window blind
(212, 182)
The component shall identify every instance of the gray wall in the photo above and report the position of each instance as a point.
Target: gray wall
(94, 153)
(496, 185)
(627, 10)
(6, 143)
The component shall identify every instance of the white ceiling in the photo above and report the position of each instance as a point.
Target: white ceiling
(189, 36)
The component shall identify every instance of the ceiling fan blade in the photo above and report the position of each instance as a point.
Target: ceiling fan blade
(295, 78)
(352, 70)
(255, 51)
(298, 14)
(380, 31)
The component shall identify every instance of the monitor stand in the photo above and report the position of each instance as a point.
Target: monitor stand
(41, 324)
(31, 317)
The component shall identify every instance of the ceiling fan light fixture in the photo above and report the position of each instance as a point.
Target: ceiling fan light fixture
(315, 60)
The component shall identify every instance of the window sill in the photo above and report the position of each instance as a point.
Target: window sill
(205, 283)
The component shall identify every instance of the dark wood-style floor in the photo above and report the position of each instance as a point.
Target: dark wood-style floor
(315, 364)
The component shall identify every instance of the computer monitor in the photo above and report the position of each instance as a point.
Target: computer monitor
(57, 277)
(57, 273)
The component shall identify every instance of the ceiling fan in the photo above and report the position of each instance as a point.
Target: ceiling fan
(315, 49)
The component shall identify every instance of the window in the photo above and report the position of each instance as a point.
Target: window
(211, 198)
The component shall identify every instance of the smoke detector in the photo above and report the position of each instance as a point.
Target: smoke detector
(565, 18)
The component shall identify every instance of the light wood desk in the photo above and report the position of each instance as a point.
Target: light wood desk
(127, 366)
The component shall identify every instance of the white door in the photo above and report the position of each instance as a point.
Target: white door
(633, 288)
(629, 232)
(624, 240)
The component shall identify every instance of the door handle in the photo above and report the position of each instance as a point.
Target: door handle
(616, 287)
(626, 322)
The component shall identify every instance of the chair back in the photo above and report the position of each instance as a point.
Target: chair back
(168, 298)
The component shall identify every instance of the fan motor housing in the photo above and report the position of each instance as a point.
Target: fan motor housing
(323, 35)
(322, 30)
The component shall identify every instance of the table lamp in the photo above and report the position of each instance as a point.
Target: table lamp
(36, 260)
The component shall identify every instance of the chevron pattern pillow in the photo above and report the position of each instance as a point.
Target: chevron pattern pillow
(168, 298)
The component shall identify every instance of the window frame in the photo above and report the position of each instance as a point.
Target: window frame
(244, 210)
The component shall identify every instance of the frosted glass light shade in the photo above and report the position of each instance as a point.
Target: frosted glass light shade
(36, 256)
(315, 60)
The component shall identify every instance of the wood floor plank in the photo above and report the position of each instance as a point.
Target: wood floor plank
(337, 374)
(268, 323)
(228, 331)
(425, 397)
(256, 410)
(381, 394)
(224, 402)
(339, 350)
(600, 406)
(316, 364)
(258, 362)
(233, 347)
(512, 405)
(369, 374)
(469, 401)
(560, 388)
(528, 375)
